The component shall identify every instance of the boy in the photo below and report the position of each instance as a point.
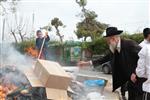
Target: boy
(39, 42)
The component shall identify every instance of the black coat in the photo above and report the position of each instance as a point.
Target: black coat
(124, 63)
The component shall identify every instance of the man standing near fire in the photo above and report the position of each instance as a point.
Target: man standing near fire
(124, 55)
(40, 40)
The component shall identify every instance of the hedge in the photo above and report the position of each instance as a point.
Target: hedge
(97, 47)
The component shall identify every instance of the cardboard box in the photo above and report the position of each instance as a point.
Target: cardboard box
(43, 75)
(52, 75)
(52, 94)
(56, 94)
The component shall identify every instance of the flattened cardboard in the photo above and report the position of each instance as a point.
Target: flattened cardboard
(52, 75)
(52, 94)
(34, 81)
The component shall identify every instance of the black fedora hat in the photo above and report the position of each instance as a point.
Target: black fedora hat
(110, 31)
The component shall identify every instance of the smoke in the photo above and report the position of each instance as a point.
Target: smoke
(13, 64)
(10, 56)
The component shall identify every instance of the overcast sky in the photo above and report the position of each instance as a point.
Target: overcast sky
(129, 15)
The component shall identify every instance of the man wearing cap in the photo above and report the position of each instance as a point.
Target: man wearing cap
(123, 55)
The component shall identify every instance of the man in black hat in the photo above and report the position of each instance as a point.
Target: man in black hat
(123, 55)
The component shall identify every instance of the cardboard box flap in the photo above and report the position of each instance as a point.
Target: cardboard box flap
(34, 81)
(52, 94)
(50, 67)
(71, 91)
(56, 94)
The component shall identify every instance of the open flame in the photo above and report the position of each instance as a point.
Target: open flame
(6, 89)
(12, 82)
(32, 52)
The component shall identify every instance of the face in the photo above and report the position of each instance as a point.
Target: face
(112, 41)
(39, 35)
(148, 38)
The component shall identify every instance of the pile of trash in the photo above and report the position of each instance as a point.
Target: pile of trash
(84, 91)
(91, 89)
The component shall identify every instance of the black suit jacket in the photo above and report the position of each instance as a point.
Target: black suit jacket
(121, 71)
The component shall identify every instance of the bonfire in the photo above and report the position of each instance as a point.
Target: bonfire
(32, 52)
(15, 86)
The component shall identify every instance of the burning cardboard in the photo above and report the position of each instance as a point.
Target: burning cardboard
(51, 76)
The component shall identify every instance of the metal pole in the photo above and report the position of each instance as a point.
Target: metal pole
(41, 48)
(3, 31)
(33, 18)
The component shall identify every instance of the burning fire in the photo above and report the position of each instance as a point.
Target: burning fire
(10, 85)
(6, 89)
(32, 52)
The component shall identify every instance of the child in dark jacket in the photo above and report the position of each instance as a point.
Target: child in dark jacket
(39, 42)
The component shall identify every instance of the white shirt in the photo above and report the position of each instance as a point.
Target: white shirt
(143, 43)
(143, 67)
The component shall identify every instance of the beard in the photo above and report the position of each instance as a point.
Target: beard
(113, 47)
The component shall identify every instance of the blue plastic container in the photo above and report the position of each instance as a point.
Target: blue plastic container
(94, 83)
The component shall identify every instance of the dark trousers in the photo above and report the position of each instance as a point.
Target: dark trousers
(134, 92)
(134, 95)
(123, 89)
(146, 96)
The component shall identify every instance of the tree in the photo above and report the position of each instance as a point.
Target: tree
(89, 26)
(8, 7)
(17, 27)
(12, 31)
(57, 23)
(82, 3)
(21, 28)
(47, 28)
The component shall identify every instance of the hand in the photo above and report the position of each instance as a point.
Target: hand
(83, 63)
(45, 36)
(46, 33)
(133, 78)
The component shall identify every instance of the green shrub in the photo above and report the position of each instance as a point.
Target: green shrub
(138, 37)
(98, 46)
(25, 44)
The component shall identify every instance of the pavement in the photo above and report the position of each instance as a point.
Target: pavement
(88, 73)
